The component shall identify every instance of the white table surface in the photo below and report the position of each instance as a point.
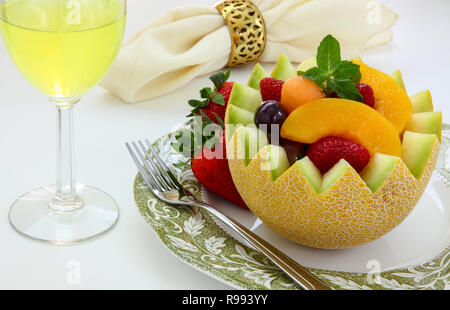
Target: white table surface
(131, 256)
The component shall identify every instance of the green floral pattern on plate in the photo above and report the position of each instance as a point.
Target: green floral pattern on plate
(197, 240)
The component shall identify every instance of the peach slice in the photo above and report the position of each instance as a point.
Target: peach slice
(298, 91)
(343, 118)
(392, 101)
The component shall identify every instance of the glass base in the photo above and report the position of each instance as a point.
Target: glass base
(32, 216)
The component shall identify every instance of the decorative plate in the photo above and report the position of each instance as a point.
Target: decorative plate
(415, 255)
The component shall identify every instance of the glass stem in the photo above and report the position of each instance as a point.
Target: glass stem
(66, 198)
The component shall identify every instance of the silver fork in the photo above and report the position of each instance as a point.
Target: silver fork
(166, 187)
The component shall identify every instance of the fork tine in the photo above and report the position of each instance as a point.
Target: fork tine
(141, 169)
(165, 171)
(149, 169)
(154, 170)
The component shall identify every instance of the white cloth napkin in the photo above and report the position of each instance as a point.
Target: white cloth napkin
(190, 41)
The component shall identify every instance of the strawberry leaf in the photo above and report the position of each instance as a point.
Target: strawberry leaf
(219, 120)
(218, 98)
(202, 137)
(206, 118)
(206, 93)
(195, 103)
(219, 78)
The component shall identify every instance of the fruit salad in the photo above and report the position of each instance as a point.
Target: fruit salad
(359, 155)
(332, 154)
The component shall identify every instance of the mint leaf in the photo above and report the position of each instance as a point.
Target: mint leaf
(329, 55)
(346, 70)
(357, 78)
(345, 89)
(332, 74)
(318, 76)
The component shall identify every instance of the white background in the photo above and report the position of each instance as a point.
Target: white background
(131, 257)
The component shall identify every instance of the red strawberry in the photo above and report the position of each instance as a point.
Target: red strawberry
(328, 151)
(214, 101)
(367, 93)
(271, 89)
(213, 108)
(214, 173)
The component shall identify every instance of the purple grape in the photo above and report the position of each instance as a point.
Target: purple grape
(269, 113)
(294, 150)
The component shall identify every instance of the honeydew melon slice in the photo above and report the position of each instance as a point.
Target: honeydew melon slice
(277, 160)
(307, 64)
(243, 103)
(257, 75)
(239, 116)
(254, 140)
(422, 102)
(417, 149)
(284, 69)
(398, 77)
(426, 122)
(320, 183)
(245, 97)
(311, 173)
(330, 178)
(378, 169)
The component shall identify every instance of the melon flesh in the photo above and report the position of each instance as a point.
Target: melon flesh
(255, 139)
(283, 69)
(311, 173)
(426, 122)
(330, 178)
(245, 97)
(422, 102)
(239, 116)
(255, 78)
(378, 169)
(278, 161)
(398, 77)
(243, 103)
(417, 149)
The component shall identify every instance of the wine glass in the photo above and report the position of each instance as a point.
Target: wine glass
(63, 48)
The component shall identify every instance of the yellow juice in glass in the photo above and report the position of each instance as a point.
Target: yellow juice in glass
(63, 48)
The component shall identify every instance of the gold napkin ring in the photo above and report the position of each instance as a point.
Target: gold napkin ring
(247, 30)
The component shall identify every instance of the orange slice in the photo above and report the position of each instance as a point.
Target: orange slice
(342, 118)
(392, 101)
